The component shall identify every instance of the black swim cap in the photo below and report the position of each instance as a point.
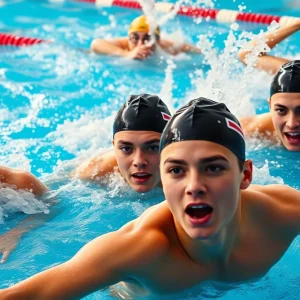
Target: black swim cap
(287, 79)
(142, 112)
(205, 120)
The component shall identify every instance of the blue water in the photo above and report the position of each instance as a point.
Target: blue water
(56, 110)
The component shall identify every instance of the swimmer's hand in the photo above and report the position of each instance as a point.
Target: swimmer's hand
(140, 52)
(8, 242)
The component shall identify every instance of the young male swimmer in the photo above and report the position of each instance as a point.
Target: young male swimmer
(214, 225)
(267, 62)
(282, 123)
(21, 180)
(136, 133)
(140, 42)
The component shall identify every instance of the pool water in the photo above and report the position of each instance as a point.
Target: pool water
(57, 106)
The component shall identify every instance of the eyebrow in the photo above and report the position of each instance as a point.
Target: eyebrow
(280, 105)
(202, 161)
(152, 142)
(124, 142)
(146, 143)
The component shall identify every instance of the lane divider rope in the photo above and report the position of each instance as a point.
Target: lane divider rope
(7, 39)
(220, 15)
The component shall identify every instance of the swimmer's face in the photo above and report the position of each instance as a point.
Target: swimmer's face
(137, 154)
(285, 110)
(202, 183)
(139, 38)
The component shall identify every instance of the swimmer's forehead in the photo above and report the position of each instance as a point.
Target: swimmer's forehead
(195, 150)
(287, 97)
(139, 32)
(137, 136)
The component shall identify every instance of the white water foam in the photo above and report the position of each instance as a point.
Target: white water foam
(12, 200)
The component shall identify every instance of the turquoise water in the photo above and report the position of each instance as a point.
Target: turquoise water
(57, 106)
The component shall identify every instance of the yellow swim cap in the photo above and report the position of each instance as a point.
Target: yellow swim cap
(140, 24)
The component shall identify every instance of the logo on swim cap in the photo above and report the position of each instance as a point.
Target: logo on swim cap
(234, 126)
(205, 120)
(142, 112)
(165, 116)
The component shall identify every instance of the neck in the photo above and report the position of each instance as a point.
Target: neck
(216, 249)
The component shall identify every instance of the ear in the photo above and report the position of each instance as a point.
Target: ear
(113, 142)
(269, 102)
(247, 174)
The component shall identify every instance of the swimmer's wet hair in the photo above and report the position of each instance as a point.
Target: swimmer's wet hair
(205, 120)
(287, 79)
(142, 112)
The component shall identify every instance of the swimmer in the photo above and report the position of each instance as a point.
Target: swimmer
(282, 123)
(20, 180)
(214, 225)
(136, 133)
(268, 63)
(140, 43)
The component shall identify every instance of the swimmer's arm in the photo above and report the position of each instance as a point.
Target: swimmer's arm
(173, 49)
(10, 239)
(94, 267)
(257, 124)
(102, 262)
(96, 168)
(22, 180)
(118, 47)
(266, 62)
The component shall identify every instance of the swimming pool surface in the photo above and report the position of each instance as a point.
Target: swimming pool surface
(57, 106)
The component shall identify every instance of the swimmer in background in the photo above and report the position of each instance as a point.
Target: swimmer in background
(136, 133)
(268, 63)
(140, 43)
(282, 123)
(213, 226)
(20, 180)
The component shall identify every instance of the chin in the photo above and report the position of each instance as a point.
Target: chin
(291, 148)
(142, 188)
(201, 234)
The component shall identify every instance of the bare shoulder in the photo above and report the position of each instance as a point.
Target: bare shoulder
(258, 124)
(96, 167)
(121, 42)
(278, 203)
(154, 231)
(281, 192)
(22, 180)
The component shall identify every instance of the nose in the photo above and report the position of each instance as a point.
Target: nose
(139, 160)
(195, 186)
(293, 121)
(140, 42)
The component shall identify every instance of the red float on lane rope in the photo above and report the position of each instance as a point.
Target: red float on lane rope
(7, 39)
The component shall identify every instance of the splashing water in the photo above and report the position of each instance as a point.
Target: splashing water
(262, 175)
(258, 45)
(12, 201)
(166, 90)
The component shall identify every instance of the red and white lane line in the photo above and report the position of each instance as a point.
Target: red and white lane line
(7, 39)
(220, 15)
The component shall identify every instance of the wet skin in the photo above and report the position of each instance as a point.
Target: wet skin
(138, 158)
(285, 112)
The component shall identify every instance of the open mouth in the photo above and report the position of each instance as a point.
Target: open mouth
(199, 213)
(293, 137)
(141, 177)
